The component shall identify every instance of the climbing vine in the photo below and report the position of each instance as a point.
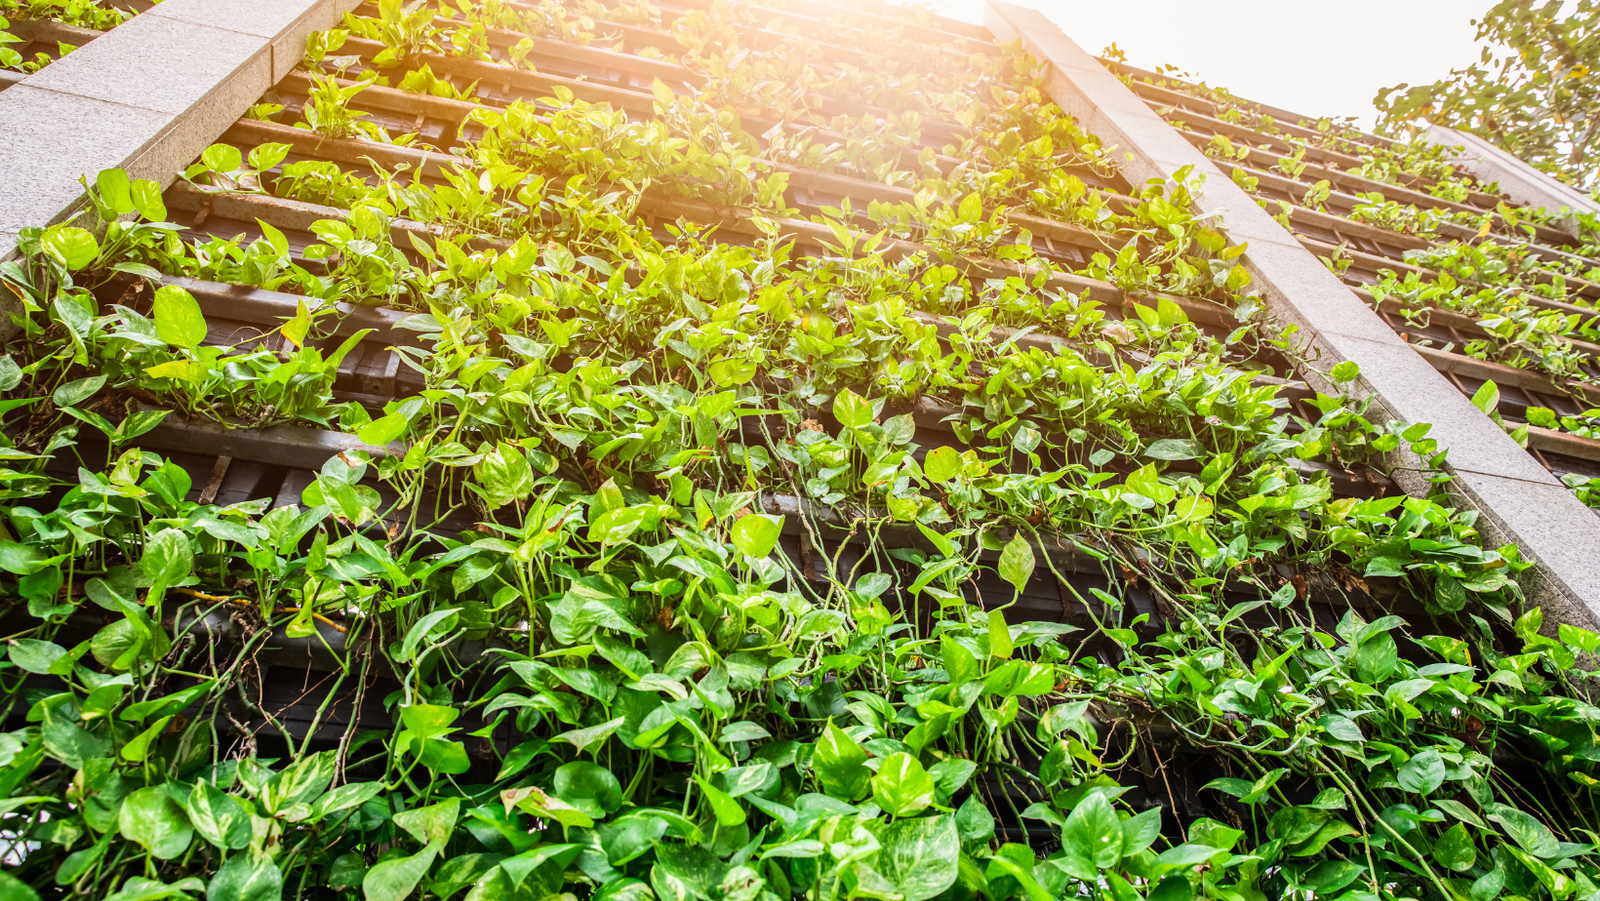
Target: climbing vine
(701, 555)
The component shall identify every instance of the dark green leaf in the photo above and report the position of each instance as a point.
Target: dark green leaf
(246, 876)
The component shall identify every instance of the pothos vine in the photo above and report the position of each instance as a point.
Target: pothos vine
(692, 568)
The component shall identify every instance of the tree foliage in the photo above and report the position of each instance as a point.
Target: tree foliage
(1534, 90)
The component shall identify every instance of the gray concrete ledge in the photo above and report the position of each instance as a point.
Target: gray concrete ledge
(147, 96)
(1517, 179)
(1518, 500)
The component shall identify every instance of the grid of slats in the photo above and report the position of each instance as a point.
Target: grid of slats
(1282, 157)
(624, 71)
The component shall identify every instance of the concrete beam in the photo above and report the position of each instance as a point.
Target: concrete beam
(1519, 501)
(146, 96)
(1518, 180)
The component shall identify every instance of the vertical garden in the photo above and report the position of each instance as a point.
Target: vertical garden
(717, 452)
(1499, 297)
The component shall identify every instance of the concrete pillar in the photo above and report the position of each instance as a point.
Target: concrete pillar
(146, 96)
(1519, 500)
(1518, 180)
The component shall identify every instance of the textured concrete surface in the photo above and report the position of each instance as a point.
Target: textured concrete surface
(147, 96)
(1520, 181)
(284, 25)
(47, 140)
(1519, 501)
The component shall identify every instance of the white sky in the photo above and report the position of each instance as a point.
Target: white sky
(1308, 56)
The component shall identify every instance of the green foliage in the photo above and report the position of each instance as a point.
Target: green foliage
(1532, 92)
(569, 554)
(93, 14)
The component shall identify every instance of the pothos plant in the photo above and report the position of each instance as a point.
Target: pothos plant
(691, 570)
(1521, 295)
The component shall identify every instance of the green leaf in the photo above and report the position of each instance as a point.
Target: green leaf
(1376, 657)
(583, 738)
(1582, 639)
(547, 860)
(222, 158)
(919, 855)
(971, 208)
(503, 475)
(1455, 849)
(345, 797)
(1461, 812)
(194, 371)
(552, 808)
(178, 318)
(434, 625)
(1016, 562)
(1526, 830)
(1346, 372)
(432, 824)
(1174, 449)
(165, 705)
(70, 246)
(265, 156)
(1187, 855)
(1422, 773)
(1091, 840)
(729, 812)
(1001, 866)
(942, 464)
(589, 787)
(151, 818)
(20, 559)
(138, 747)
(1139, 831)
(168, 557)
(852, 410)
(70, 743)
(77, 391)
(902, 787)
(1487, 397)
(695, 869)
(974, 821)
(1173, 888)
(147, 199)
(300, 782)
(999, 635)
(218, 816)
(35, 655)
(1330, 830)
(949, 775)
(731, 372)
(840, 764)
(14, 889)
(899, 430)
(10, 373)
(383, 430)
(1559, 884)
(757, 534)
(79, 862)
(1488, 886)
(247, 876)
(393, 880)
(115, 193)
(1328, 877)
